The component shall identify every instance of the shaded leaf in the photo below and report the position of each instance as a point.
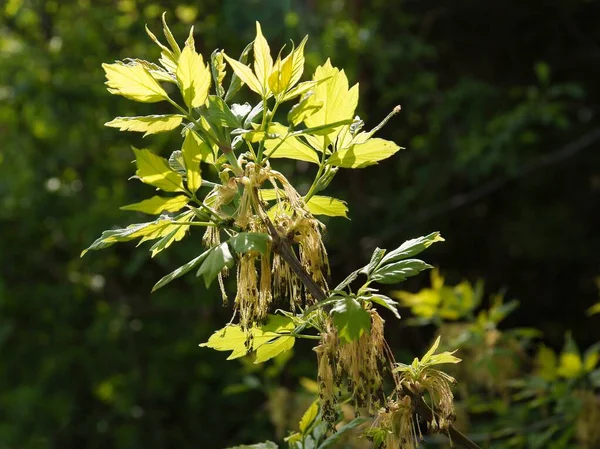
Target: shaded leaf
(350, 319)
(329, 442)
(386, 302)
(412, 247)
(250, 241)
(180, 271)
(399, 271)
(218, 257)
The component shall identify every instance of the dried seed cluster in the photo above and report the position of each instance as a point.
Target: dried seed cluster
(263, 277)
(396, 423)
(356, 365)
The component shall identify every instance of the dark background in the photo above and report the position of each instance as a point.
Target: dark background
(500, 104)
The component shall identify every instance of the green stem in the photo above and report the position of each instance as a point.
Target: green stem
(265, 128)
(194, 223)
(315, 183)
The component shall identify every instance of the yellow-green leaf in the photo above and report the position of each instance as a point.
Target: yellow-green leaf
(133, 81)
(148, 231)
(570, 365)
(594, 309)
(263, 62)
(245, 74)
(325, 205)
(297, 57)
(170, 38)
(192, 150)
(155, 171)
(307, 107)
(273, 348)
(290, 148)
(233, 338)
(150, 124)
(158, 204)
(591, 360)
(363, 155)
(309, 416)
(171, 233)
(546, 363)
(280, 78)
(339, 102)
(193, 77)
(271, 194)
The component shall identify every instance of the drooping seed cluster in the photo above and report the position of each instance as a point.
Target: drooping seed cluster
(357, 365)
(262, 277)
(438, 386)
(396, 422)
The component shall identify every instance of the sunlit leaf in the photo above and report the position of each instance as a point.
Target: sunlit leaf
(297, 57)
(307, 107)
(217, 68)
(325, 205)
(273, 348)
(158, 204)
(147, 231)
(193, 77)
(233, 338)
(279, 79)
(290, 148)
(309, 416)
(150, 124)
(245, 74)
(236, 83)
(155, 171)
(172, 233)
(364, 154)
(170, 38)
(263, 62)
(339, 102)
(570, 365)
(192, 150)
(133, 81)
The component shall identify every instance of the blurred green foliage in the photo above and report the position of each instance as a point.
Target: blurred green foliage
(496, 97)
